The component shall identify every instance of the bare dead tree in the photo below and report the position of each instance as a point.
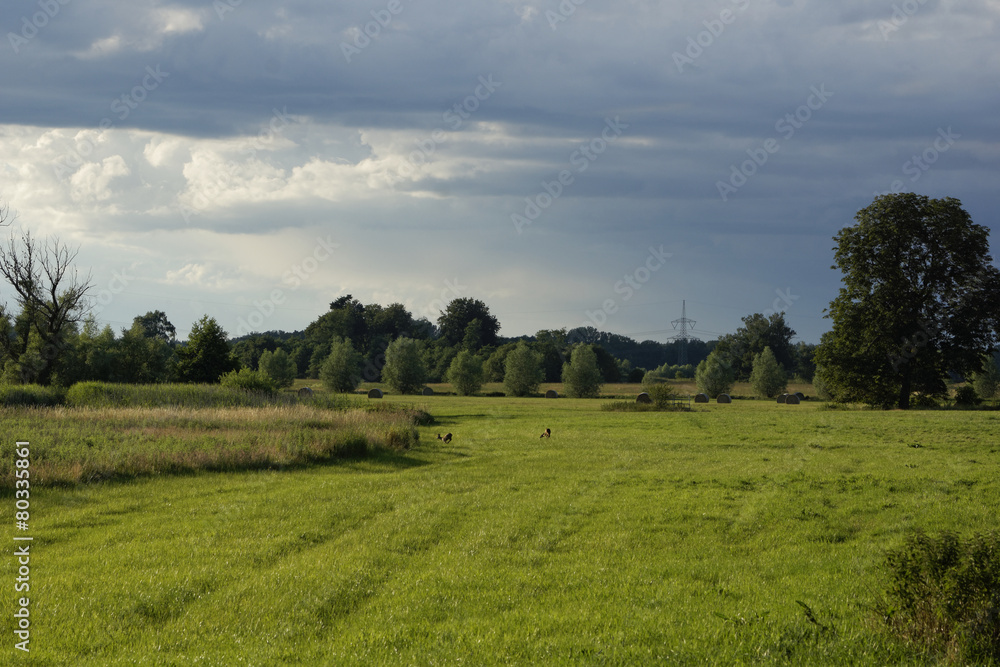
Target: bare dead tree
(50, 292)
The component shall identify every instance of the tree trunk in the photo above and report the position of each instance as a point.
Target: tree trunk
(904, 389)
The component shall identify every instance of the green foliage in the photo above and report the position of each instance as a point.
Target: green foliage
(109, 395)
(404, 368)
(917, 302)
(767, 378)
(966, 396)
(522, 371)
(249, 381)
(758, 332)
(466, 373)
(30, 394)
(987, 380)
(944, 595)
(819, 384)
(341, 370)
(279, 367)
(715, 375)
(468, 321)
(207, 356)
(496, 363)
(582, 377)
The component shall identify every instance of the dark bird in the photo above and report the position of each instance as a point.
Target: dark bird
(547, 433)
(446, 438)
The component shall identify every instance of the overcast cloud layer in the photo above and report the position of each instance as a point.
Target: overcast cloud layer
(569, 163)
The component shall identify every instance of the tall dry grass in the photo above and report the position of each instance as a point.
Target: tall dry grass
(83, 445)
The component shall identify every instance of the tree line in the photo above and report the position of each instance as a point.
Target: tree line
(920, 305)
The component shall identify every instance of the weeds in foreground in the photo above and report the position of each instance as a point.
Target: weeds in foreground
(944, 595)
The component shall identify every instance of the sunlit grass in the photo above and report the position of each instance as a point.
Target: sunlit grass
(625, 538)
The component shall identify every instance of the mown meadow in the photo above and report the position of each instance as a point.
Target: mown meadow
(750, 533)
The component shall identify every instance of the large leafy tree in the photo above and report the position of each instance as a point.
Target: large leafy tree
(759, 332)
(404, 370)
(207, 356)
(920, 298)
(455, 322)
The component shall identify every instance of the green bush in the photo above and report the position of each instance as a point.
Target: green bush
(249, 381)
(581, 376)
(966, 395)
(944, 595)
(30, 394)
(466, 373)
(106, 394)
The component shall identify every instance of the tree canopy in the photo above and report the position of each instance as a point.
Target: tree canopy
(920, 298)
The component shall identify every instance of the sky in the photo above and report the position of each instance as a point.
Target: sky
(568, 162)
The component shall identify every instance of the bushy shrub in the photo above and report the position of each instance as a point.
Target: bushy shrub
(404, 369)
(341, 370)
(581, 376)
(279, 366)
(662, 395)
(249, 381)
(767, 378)
(966, 396)
(30, 394)
(522, 371)
(466, 373)
(944, 595)
(715, 375)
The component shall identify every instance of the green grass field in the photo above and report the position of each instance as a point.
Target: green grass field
(627, 538)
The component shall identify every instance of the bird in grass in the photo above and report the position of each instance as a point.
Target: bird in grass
(446, 438)
(547, 433)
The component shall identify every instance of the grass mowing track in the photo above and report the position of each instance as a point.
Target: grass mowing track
(686, 538)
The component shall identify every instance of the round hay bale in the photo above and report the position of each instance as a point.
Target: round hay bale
(792, 399)
(782, 398)
(551, 393)
(800, 395)
(701, 398)
(724, 398)
(644, 399)
(374, 393)
(305, 392)
(427, 391)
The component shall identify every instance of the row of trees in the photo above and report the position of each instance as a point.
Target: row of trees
(920, 304)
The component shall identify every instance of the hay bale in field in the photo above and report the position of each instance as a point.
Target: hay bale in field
(551, 393)
(374, 393)
(800, 395)
(782, 398)
(644, 399)
(792, 399)
(724, 398)
(427, 391)
(305, 392)
(701, 398)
